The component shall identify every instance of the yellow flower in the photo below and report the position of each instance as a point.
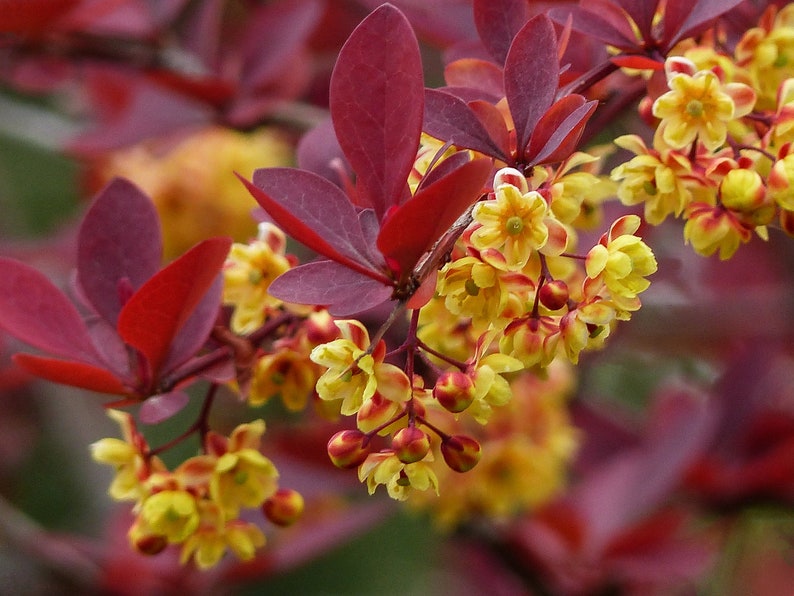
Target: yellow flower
(127, 457)
(352, 374)
(207, 545)
(698, 106)
(767, 52)
(532, 340)
(781, 182)
(286, 374)
(172, 514)
(472, 288)
(243, 477)
(247, 275)
(399, 478)
(621, 259)
(653, 178)
(711, 228)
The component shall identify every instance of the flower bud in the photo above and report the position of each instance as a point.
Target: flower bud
(454, 390)
(461, 453)
(410, 444)
(284, 507)
(554, 294)
(348, 448)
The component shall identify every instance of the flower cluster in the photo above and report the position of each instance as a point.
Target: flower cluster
(197, 505)
(720, 157)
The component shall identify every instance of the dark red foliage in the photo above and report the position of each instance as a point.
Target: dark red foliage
(142, 323)
(376, 109)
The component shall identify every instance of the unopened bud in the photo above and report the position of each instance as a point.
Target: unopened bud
(461, 453)
(553, 294)
(410, 444)
(284, 507)
(454, 390)
(348, 448)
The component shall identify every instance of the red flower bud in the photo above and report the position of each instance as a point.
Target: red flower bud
(461, 453)
(554, 294)
(149, 544)
(348, 448)
(410, 444)
(284, 508)
(454, 390)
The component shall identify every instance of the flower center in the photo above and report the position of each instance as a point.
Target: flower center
(649, 188)
(514, 225)
(694, 108)
(472, 289)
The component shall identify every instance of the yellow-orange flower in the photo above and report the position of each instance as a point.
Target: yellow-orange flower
(247, 275)
(353, 375)
(698, 106)
(399, 478)
(243, 477)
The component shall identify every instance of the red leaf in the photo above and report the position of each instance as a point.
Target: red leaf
(475, 74)
(448, 117)
(161, 407)
(497, 22)
(377, 105)
(412, 228)
(287, 26)
(557, 133)
(72, 373)
(157, 311)
(119, 239)
(600, 19)
(687, 18)
(327, 283)
(33, 310)
(641, 12)
(531, 76)
(316, 213)
(640, 62)
(196, 330)
(18, 16)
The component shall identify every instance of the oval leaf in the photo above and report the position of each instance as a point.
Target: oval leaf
(72, 373)
(497, 22)
(377, 104)
(327, 283)
(314, 212)
(531, 76)
(412, 228)
(558, 131)
(119, 239)
(161, 407)
(157, 311)
(448, 117)
(33, 310)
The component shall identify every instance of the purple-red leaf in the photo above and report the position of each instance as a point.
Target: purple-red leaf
(161, 407)
(687, 18)
(72, 373)
(157, 311)
(287, 24)
(475, 74)
(314, 212)
(559, 130)
(119, 240)
(497, 22)
(33, 310)
(600, 19)
(411, 229)
(194, 333)
(319, 152)
(641, 12)
(531, 76)
(377, 104)
(327, 283)
(449, 118)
